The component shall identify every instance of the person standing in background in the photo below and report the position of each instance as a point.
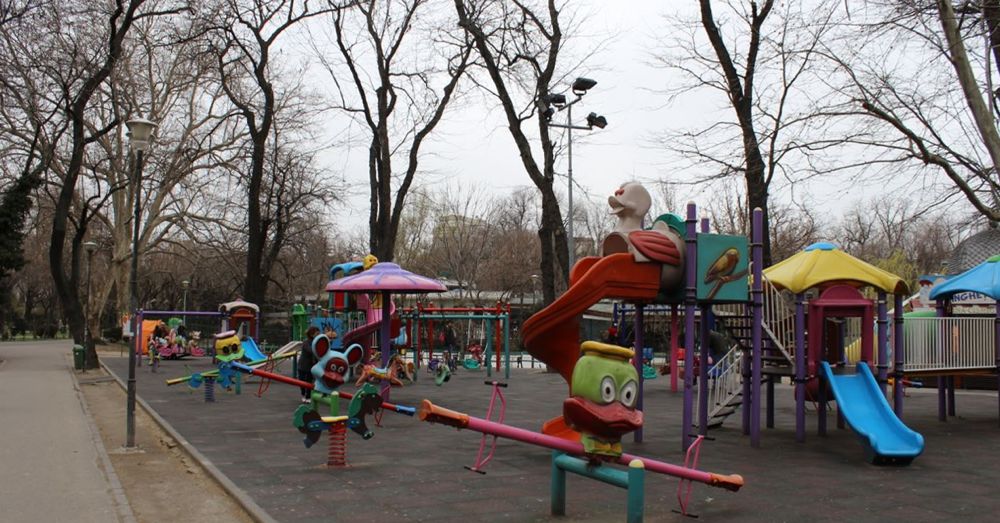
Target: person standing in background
(306, 361)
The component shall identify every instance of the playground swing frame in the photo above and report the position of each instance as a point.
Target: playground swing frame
(497, 331)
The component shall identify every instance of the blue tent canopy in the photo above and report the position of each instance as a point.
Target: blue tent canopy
(983, 278)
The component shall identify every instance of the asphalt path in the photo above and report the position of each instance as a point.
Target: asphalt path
(50, 454)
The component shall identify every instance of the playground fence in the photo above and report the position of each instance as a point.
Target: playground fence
(947, 344)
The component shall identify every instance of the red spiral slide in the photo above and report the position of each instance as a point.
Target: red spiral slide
(552, 334)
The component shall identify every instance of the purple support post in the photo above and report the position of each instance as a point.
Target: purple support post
(800, 368)
(639, 342)
(386, 324)
(690, 298)
(951, 396)
(757, 243)
(897, 352)
(672, 358)
(996, 349)
(703, 369)
(769, 400)
(941, 305)
(745, 373)
(882, 355)
(703, 352)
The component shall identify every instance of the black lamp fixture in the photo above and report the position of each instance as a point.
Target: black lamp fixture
(593, 120)
(556, 99)
(581, 85)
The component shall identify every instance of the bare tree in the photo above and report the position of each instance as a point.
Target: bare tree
(519, 46)
(416, 224)
(933, 119)
(402, 78)
(792, 226)
(14, 10)
(764, 61)
(65, 58)
(463, 237)
(244, 37)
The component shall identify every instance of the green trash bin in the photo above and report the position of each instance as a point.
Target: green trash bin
(79, 356)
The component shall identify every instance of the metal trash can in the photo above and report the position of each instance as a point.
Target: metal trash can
(79, 357)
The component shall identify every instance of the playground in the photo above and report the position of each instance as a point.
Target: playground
(808, 346)
(413, 471)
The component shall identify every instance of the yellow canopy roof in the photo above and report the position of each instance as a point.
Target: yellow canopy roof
(823, 263)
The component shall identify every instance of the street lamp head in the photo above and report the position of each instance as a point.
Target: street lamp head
(140, 132)
(185, 284)
(554, 99)
(90, 246)
(582, 85)
(593, 120)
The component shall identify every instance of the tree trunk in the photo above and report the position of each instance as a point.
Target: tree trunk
(255, 287)
(757, 188)
(967, 80)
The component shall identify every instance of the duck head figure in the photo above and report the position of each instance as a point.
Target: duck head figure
(660, 244)
(228, 347)
(630, 203)
(603, 394)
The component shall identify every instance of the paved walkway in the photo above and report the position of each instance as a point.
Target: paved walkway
(51, 455)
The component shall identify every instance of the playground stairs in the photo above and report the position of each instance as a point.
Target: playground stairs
(727, 375)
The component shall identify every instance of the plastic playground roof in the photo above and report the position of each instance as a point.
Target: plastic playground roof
(386, 277)
(823, 263)
(228, 306)
(983, 278)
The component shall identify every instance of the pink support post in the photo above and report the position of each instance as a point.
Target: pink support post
(480, 460)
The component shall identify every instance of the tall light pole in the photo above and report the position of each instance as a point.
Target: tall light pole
(88, 337)
(184, 286)
(580, 87)
(140, 132)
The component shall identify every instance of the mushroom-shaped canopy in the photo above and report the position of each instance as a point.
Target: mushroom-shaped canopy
(823, 263)
(386, 277)
(983, 278)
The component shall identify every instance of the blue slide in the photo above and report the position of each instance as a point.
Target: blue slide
(251, 351)
(887, 440)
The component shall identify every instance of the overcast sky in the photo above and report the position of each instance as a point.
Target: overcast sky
(473, 147)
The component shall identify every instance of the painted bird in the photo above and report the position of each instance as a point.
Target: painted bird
(603, 394)
(721, 270)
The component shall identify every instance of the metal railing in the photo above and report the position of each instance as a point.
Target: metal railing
(949, 344)
(725, 382)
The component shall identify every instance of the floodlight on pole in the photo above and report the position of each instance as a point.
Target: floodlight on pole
(580, 87)
(140, 134)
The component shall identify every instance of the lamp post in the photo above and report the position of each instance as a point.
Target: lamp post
(88, 338)
(580, 87)
(184, 285)
(140, 132)
(536, 282)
